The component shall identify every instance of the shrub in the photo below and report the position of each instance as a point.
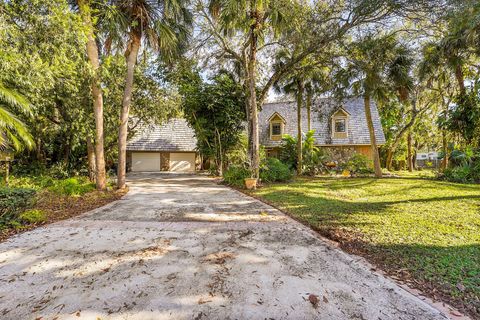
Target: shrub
(359, 164)
(32, 216)
(73, 186)
(313, 156)
(288, 151)
(464, 166)
(236, 175)
(13, 201)
(274, 170)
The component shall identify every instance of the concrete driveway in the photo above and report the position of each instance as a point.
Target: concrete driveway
(183, 247)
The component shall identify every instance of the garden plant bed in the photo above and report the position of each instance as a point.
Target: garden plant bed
(59, 207)
(424, 233)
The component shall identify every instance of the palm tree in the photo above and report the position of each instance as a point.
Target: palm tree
(307, 77)
(253, 18)
(13, 132)
(370, 62)
(85, 9)
(163, 25)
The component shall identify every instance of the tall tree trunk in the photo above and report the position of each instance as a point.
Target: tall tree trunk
(445, 150)
(409, 152)
(398, 138)
(131, 55)
(300, 89)
(92, 53)
(252, 67)
(373, 139)
(460, 79)
(309, 109)
(91, 160)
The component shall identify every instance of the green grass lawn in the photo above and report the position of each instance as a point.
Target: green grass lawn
(424, 231)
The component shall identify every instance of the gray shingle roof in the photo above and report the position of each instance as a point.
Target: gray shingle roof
(322, 110)
(175, 135)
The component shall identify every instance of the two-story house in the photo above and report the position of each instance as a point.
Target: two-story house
(340, 128)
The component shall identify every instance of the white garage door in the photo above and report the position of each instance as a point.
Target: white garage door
(182, 162)
(145, 161)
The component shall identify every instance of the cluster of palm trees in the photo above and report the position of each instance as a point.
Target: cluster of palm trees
(125, 25)
(308, 39)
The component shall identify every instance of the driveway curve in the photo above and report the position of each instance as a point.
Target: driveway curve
(183, 247)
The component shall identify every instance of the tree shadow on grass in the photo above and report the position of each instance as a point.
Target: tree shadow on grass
(336, 209)
(448, 273)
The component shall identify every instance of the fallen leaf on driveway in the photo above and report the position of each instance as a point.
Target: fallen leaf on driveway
(313, 300)
(202, 301)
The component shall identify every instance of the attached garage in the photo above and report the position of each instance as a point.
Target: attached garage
(145, 161)
(182, 162)
(167, 147)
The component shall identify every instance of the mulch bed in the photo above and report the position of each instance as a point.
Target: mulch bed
(61, 207)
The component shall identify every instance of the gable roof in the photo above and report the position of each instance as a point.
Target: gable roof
(276, 114)
(175, 135)
(322, 110)
(340, 109)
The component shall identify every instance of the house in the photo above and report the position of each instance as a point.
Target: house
(340, 128)
(167, 147)
(428, 159)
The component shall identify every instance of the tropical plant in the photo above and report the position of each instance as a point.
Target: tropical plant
(313, 156)
(308, 76)
(13, 132)
(161, 25)
(373, 62)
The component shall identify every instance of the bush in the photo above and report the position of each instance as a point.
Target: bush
(73, 186)
(274, 170)
(464, 174)
(464, 166)
(13, 201)
(359, 164)
(32, 216)
(236, 175)
(313, 156)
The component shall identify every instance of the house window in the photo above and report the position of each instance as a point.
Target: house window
(277, 126)
(276, 129)
(340, 125)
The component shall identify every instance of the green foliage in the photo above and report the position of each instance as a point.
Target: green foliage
(273, 170)
(288, 151)
(464, 119)
(236, 175)
(464, 166)
(32, 216)
(72, 187)
(13, 201)
(313, 156)
(216, 111)
(359, 164)
(43, 61)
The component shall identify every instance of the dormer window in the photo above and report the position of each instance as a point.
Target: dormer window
(340, 124)
(276, 129)
(277, 125)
